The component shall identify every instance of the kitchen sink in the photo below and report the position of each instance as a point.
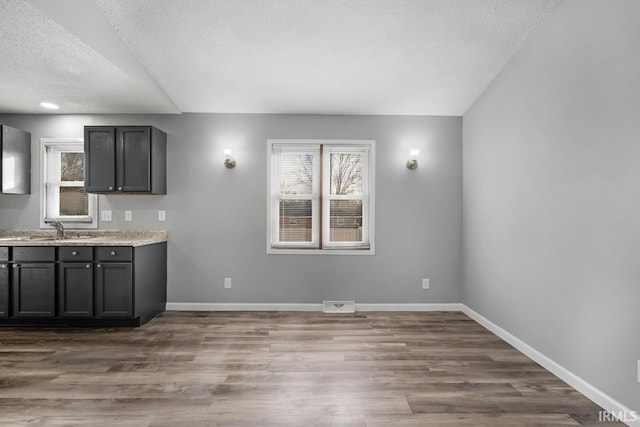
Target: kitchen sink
(26, 238)
(81, 238)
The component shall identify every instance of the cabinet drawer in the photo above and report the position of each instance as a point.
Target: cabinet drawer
(75, 253)
(31, 253)
(114, 253)
(4, 253)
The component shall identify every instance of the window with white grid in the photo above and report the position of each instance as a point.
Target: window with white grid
(320, 196)
(63, 195)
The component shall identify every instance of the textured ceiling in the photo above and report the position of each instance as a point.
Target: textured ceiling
(431, 57)
(42, 61)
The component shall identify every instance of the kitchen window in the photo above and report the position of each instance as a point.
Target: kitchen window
(63, 195)
(321, 196)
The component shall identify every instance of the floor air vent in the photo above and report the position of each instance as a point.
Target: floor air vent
(339, 307)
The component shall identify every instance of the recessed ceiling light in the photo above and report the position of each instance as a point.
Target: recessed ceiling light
(49, 105)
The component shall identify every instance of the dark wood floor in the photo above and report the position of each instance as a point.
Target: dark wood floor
(263, 369)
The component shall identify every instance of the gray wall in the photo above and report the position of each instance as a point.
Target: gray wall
(552, 195)
(217, 217)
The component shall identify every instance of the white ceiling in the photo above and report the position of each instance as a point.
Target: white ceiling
(423, 57)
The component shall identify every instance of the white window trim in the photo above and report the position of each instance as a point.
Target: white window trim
(335, 249)
(314, 197)
(90, 221)
(326, 200)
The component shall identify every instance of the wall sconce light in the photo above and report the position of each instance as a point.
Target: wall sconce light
(229, 161)
(412, 163)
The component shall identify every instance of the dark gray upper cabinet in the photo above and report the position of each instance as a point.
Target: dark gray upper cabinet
(15, 164)
(125, 159)
(100, 159)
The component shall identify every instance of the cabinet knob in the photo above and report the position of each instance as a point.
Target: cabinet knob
(16, 265)
(119, 188)
(99, 265)
(3, 265)
(110, 188)
(87, 266)
(74, 253)
(113, 253)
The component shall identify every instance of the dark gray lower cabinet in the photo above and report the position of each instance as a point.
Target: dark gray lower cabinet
(75, 289)
(34, 289)
(82, 286)
(4, 289)
(114, 289)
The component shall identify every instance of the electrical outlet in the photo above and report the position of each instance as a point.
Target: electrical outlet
(227, 282)
(425, 283)
(105, 216)
(128, 216)
(162, 215)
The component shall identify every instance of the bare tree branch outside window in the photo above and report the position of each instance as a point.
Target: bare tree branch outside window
(72, 167)
(346, 174)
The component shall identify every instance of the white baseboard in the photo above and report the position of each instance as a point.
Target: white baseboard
(195, 306)
(605, 401)
(189, 306)
(409, 307)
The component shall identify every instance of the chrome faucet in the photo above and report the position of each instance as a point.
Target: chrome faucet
(59, 229)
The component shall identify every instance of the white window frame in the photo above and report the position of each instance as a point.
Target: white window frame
(367, 247)
(314, 197)
(50, 151)
(327, 197)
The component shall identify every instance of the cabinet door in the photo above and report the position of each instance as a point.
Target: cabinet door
(100, 159)
(34, 290)
(15, 166)
(75, 289)
(114, 289)
(4, 289)
(134, 159)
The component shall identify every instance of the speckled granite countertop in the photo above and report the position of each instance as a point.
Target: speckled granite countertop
(82, 238)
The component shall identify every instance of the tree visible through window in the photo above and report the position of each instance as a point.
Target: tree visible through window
(73, 200)
(320, 195)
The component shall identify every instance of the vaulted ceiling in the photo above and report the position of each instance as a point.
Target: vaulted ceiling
(422, 57)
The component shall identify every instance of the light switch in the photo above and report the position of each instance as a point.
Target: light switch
(162, 215)
(128, 215)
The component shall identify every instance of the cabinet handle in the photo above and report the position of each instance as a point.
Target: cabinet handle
(113, 253)
(110, 188)
(87, 266)
(74, 253)
(99, 265)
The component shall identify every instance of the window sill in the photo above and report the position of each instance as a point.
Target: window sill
(272, 251)
(71, 224)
